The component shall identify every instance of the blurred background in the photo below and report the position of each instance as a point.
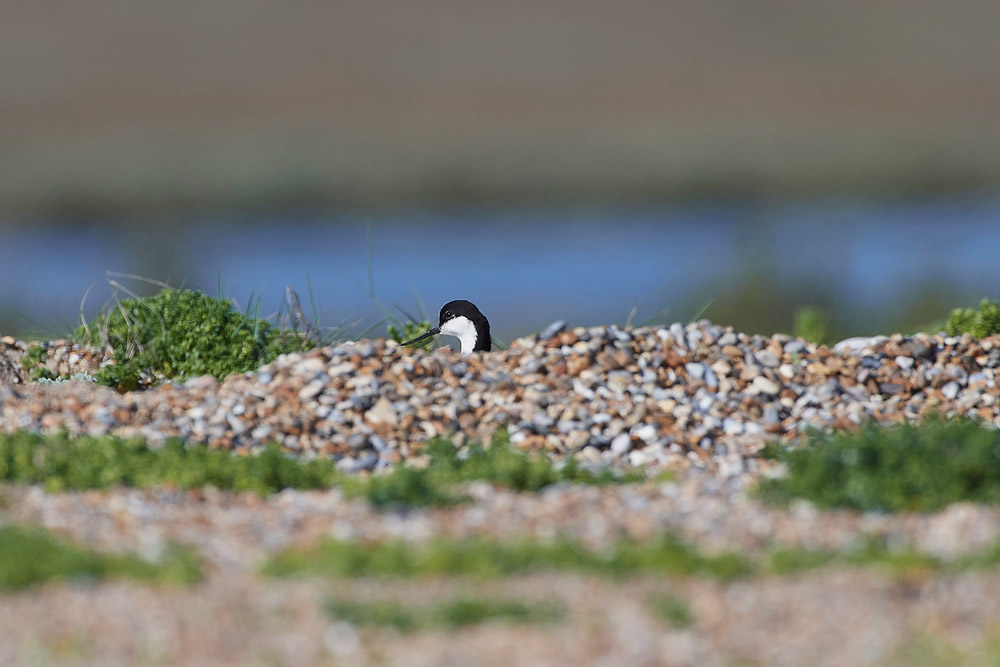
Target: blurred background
(560, 160)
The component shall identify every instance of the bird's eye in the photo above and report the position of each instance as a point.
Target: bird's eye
(447, 315)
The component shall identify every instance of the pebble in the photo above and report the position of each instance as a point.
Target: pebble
(550, 331)
(621, 444)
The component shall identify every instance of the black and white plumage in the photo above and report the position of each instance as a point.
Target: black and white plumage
(462, 320)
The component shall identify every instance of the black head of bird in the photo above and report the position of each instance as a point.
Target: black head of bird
(462, 320)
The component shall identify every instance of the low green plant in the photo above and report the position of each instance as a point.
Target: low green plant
(667, 555)
(182, 333)
(449, 614)
(33, 362)
(464, 611)
(812, 324)
(30, 556)
(488, 558)
(674, 610)
(61, 462)
(925, 647)
(381, 613)
(875, 552)
(499, 463)
(408, 330)
(980, 323)
(908, 467)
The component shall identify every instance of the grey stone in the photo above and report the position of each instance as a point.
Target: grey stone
(621, 444)
(768, 359)
(556, 327)
(795, 347)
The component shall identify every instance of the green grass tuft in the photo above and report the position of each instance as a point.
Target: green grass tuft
(30, 556)
(674, 610)
(62, 463)
(668, 555)
(488, 558)
(500, 464)
(902, 468)
(980, 323)
(182, 333)
(465, 611)
(812, 324)
(450, 614)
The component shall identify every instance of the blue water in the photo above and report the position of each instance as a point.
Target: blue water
(523, 268)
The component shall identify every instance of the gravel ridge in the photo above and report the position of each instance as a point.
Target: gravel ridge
(672, 397)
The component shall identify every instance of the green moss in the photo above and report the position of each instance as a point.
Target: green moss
(900, 468)
(980, 323)
(487, 558)
(461, 612)
(61, 462)
(404, 486)
(925, 647)
(791, 561)
(500, 464)
(674, 610)
(382, 613)
(64, 463)
(31, 556)
(449, 614)
(177, 334)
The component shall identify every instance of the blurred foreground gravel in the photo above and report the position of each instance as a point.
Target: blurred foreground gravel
(699, 400)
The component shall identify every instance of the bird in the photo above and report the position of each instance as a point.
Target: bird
(463, 320)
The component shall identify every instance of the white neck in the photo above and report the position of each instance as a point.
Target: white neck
(464, 330)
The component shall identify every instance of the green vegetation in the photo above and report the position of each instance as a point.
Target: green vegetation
(63, 463)
(484, 558)
(872, 552)
(674, 610)
(488, 558)
(449, 615)
(410, 330)
(812, 324)
(33, 361)
(893, 469)
(177, 334)
(980, 323)
(926, 648)
(31, 556)
(500, 464)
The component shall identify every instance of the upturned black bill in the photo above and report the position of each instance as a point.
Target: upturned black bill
(432, 332)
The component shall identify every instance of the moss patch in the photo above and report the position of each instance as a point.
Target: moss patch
(64, 463)
(61, 463)
(674, 610)
(30, 556)
(668, 555)
(448, 466)
(908, 467)
(488, 558)
(449, 614)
